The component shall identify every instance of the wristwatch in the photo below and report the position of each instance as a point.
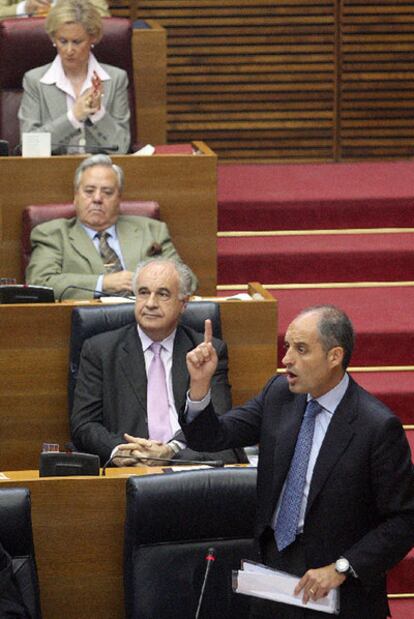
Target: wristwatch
(342, 566)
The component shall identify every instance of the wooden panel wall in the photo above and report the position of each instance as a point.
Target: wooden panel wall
(290, 80)
(254, 78)
(377, 85)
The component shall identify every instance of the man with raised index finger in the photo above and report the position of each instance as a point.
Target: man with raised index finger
(335, 477)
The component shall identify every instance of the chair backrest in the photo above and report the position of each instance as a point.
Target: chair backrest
(25, 45)
(171, 521)
(17, 538)
(91, 320)
(39, 213)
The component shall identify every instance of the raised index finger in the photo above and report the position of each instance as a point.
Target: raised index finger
(208, 331)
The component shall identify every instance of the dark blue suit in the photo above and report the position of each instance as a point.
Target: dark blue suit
(361, 501)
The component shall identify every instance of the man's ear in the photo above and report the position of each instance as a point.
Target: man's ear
(336, 355)
(185, 301)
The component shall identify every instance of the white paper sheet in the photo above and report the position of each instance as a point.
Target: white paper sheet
(264, 582)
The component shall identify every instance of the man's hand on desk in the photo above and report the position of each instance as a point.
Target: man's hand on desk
(121, 281)
(142, 448)
(201, 364)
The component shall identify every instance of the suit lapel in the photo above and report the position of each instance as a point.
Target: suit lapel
(132, 363)
(55, 100)
(82, 245)
(180, 379)
(131, 240)
(337, 439)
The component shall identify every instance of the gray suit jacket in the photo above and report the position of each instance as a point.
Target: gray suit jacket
(111, 390)
(64, 255)
(361, 500)
(43, 108)
(8, 8)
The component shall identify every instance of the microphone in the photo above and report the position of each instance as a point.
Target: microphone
(210, 558)
(212, 463)
(98, 293)
(4, 148)
(62, 149)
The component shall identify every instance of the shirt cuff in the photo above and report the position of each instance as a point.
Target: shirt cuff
(176, 446)
(73, 121)
(98, 115)
(98, 285)
(193, 408)
(113, 452)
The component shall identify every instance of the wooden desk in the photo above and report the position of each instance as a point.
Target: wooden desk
(78, 527)
(184, 186)
(34, 351)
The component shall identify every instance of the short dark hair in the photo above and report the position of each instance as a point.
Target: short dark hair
(335, 329)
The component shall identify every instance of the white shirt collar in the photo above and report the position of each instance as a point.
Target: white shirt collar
(330, 400)
(56, 75)
(92, 233)
(167, 343)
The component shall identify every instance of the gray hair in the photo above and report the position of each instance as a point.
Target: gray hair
(101, 160)
(184, 273)
(335, 329)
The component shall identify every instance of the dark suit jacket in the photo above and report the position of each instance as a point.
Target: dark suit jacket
(361, 501)
(111, 390)
(11, 604)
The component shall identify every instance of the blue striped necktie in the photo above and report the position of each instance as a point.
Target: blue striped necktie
(288, 516)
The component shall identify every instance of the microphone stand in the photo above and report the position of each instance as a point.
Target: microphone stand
(97, 292)
(210, 558)
(212, 463)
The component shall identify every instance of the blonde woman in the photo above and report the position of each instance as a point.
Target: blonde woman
(80, 102)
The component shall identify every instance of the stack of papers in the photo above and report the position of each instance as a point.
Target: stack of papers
(264, 582)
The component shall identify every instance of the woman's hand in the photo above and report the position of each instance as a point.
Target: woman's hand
(88, 103)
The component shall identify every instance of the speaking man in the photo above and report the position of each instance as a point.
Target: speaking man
(133, 380)
(335, 477)
(99, 248)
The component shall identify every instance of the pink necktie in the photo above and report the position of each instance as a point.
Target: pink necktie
(159, 425)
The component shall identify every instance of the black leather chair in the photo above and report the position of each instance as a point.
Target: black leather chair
(88, 321)
(171, 522)
(17, 539)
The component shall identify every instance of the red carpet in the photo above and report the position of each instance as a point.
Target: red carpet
(401, 577)
(395, 389)
(402, 609)
(330, 195)
(383, 320)
(316, 258)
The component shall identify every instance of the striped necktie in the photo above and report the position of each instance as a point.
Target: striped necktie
(288, 516)
(110, 258)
